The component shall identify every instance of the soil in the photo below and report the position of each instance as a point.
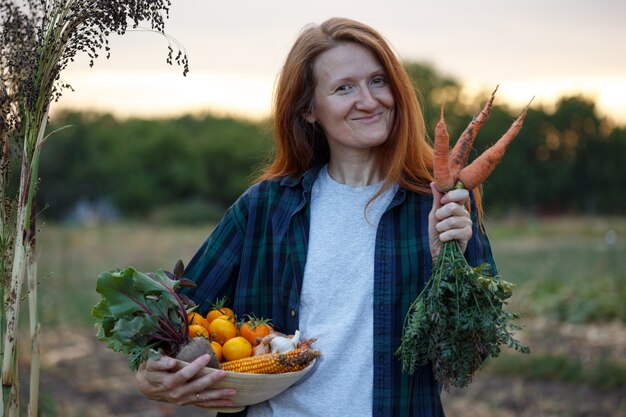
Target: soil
(81, 377)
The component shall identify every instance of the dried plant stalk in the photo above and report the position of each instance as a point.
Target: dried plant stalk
(38, 39)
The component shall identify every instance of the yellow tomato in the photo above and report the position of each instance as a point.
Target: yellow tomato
(217, 348)
(218, 312)
(218, 308)
(196, 318)
(196, 330)
(222, 330)
(236, 348)
(230, 318)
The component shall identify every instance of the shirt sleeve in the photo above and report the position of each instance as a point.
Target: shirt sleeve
(478, 251)
(215, 266)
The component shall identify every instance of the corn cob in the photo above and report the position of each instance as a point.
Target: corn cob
(273, 363)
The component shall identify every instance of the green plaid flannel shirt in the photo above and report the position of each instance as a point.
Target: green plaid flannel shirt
(256, 255)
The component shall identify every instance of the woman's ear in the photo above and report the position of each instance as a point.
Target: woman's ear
(309, 117)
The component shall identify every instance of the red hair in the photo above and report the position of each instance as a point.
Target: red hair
(406, 156)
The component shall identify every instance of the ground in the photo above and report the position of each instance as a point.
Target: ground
(80, 377)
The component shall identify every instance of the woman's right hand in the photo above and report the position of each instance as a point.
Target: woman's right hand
(158, 381)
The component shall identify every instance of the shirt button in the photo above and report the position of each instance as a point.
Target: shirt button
(381, 358)
(293, 313)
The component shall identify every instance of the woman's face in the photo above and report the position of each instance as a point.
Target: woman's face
(352, 100)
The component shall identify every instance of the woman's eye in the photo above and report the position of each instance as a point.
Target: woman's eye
(379, 81)
(343, 88)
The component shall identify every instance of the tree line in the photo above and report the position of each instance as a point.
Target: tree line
(186, 169)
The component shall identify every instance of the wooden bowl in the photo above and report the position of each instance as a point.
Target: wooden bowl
(252, 388)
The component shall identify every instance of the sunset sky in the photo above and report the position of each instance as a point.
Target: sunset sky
(545, 49)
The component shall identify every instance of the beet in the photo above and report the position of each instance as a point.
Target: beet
(195, 348)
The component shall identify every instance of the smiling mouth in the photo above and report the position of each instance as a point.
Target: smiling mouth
(369, 118)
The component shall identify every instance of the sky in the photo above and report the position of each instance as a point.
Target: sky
(541, 48)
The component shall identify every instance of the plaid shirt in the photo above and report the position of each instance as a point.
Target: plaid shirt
(256, 257)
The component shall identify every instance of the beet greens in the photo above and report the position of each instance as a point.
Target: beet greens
(141, 312)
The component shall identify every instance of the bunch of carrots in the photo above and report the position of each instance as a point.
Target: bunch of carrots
(458, 319)
(449, 167)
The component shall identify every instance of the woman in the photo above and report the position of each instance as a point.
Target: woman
(337, 236)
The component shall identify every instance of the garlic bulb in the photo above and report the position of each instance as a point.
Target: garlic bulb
(285, 344)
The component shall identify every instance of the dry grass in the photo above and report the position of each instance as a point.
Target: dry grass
(70, 259)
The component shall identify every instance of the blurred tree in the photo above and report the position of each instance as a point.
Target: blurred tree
(142, 165)
(566, 160)
(434, 89)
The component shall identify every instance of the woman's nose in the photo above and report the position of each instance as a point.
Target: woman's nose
(366, 100)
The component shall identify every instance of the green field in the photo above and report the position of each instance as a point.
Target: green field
(70, 259)
(571, 285)
(572, 269)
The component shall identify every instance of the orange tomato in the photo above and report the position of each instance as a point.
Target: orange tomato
(218, 312)
(252, 329)
(222, 330)
(196, 330)
(196, 318)
(230, 318)
(236, 348)
(219, 308)
(217, 349)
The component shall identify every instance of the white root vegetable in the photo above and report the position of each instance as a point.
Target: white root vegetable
(283, 344)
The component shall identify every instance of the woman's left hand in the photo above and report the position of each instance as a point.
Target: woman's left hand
(449, 219)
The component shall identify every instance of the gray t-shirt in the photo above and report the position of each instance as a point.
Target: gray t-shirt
(336, 303)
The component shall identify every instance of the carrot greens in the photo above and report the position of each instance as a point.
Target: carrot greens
(457, 320)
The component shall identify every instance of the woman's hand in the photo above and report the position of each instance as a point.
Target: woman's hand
(157, 381)
(448, 219)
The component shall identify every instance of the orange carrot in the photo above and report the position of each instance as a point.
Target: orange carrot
(441, 168)
(475, 173)
(463, 146)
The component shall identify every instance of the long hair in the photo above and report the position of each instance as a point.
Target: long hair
(406, 157)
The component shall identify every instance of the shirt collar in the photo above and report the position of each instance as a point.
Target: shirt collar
(306, 179)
